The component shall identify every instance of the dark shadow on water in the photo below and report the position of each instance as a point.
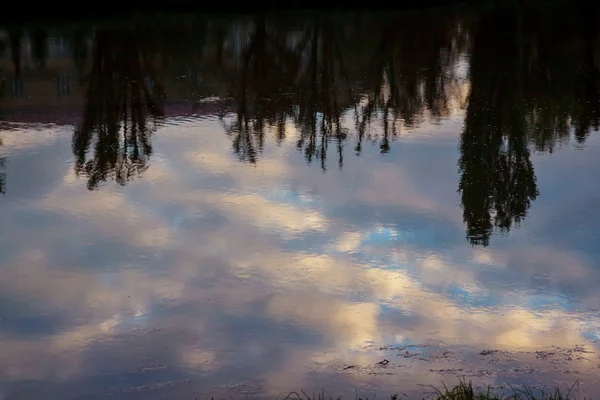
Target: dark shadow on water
(526, 79)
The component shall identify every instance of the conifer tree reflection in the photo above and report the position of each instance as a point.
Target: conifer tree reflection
(497, 182)
(529, 85)
(124, 99)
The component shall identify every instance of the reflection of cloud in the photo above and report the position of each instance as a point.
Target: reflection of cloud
(159, 172)
(62, 288)
(222, 163)
(484, 256)
(348, 241)
(216, 163)
(337, 282)
(108, 210)
(20, 138)
(267, 214)
(403, 193)
(197, 358)
(348, 325)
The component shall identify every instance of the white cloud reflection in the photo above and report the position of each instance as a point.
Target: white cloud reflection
(320, 284)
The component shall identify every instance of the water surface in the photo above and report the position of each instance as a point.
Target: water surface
(199, 205)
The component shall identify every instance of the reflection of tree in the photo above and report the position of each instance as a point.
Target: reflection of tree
(412, 73)
(523, 93)
(534, 82)
(528, 85)
(79, 49)
(123, 93)
(307, 74)
(399, 70)
(16, 36)
(39, 47)
(3, 47)
(266, 67)
(585, 115)
(326, 87)
(497, 183)
(2, 173)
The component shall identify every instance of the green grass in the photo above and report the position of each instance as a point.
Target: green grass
(465, 391)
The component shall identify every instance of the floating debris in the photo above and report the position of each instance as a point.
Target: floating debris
(244, 387)
(150, 386)
(488, 352)
(150, 368)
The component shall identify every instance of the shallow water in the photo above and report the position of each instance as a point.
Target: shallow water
(198, 206)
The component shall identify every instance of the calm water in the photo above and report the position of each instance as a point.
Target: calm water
(200, 206)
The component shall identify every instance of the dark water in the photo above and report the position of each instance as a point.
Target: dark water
(199, 206)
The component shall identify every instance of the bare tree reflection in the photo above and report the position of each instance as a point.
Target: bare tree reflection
(124, 98)
(325, 89)
(267, 69)
(412, 73)
(308, 75)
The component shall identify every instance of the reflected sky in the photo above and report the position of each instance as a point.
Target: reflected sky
(172, 238)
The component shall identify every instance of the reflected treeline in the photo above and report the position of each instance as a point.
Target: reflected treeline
(124, 98)
(312, 71)
(525, 79)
